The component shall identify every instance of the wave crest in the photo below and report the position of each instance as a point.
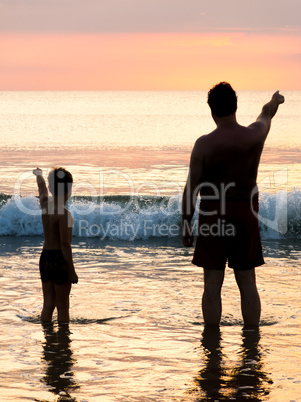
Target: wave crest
(132, 218)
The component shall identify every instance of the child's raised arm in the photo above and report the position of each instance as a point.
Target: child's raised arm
(43, 192)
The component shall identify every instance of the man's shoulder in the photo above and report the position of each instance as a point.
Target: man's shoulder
(203, 139)
(199, 145)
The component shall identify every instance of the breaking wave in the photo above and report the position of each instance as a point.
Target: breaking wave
(132, 218)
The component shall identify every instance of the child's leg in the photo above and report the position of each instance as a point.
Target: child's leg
(49, 301)
(62, 293)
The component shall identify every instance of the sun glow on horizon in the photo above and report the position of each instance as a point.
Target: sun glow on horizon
(149, 61)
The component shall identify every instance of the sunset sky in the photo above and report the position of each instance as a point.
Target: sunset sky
(149, 44)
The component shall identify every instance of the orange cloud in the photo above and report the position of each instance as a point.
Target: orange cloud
(167, 61)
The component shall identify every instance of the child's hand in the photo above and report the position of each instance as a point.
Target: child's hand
(37, 172)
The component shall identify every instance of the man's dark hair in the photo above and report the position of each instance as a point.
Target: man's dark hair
(222, 100)
(60, 181)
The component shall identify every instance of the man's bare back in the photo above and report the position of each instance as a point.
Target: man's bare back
(230, 156)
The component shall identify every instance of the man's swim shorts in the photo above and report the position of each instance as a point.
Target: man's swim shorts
(228, 233)
(53, 267)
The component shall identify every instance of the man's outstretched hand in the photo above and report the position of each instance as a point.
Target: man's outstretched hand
(278, 98)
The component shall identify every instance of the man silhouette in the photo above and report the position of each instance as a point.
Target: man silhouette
(223, 171)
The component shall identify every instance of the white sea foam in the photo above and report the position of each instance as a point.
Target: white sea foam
(124, 218)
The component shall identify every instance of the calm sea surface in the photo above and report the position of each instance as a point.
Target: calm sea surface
(145, 136)
(136, 332)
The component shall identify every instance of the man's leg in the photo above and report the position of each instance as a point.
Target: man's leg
(250, 301)
(211, 302)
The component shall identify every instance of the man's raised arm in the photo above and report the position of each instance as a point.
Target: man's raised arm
(268, 112)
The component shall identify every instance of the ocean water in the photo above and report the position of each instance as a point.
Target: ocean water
(136, 332)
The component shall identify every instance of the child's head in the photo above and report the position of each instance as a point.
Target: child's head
(60, 182)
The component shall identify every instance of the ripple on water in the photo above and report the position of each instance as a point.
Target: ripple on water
(35, 319)
(231, 322)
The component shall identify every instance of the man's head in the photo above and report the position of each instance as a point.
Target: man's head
(60, 182)
(222, 100)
